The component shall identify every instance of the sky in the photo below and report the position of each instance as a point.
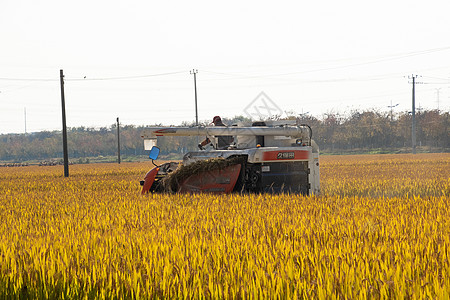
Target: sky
(134, 59)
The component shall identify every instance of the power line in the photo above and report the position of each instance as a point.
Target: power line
(297, 81)
(349, 59)
(438, 78)
(382, 59)
(29, 79)
(91, 79)
(125, 77)
(372, 60)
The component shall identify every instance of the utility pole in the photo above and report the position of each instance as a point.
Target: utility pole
(194, 72)
(437, 96)
(413, 113)
(118, 141)
(391, 107)
(25, 117)
(64, 129)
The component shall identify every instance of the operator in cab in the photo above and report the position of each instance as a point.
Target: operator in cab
(223, 142)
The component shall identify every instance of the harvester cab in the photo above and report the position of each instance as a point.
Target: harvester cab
(279, 156)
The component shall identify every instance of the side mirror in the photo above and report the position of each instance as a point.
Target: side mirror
(154, 153)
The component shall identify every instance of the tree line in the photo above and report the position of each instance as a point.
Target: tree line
(371, 129)
(357, 131)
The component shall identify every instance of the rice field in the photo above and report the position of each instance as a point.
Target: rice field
(380, 229)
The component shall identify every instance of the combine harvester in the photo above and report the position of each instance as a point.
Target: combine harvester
(275, 157)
